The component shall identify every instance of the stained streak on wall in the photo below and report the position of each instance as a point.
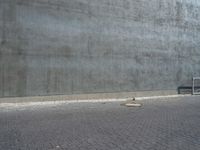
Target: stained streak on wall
(88, 46)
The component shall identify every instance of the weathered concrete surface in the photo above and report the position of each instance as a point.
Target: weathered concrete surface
(52, 47)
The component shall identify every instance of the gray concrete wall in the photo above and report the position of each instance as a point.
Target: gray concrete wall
(50, 47)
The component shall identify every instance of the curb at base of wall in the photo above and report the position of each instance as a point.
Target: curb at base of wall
(91, 97)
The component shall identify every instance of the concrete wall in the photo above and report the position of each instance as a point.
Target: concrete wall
(50, 47)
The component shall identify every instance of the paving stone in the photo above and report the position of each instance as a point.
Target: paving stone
(168, 124)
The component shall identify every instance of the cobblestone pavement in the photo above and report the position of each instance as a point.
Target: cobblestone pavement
(169, 124)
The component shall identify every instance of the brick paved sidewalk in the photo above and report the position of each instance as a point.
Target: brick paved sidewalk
(169, 124)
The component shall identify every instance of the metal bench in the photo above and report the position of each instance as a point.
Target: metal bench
(195, 89)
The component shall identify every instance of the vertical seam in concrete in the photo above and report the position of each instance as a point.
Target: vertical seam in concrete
(3, 78)
(4, 25)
